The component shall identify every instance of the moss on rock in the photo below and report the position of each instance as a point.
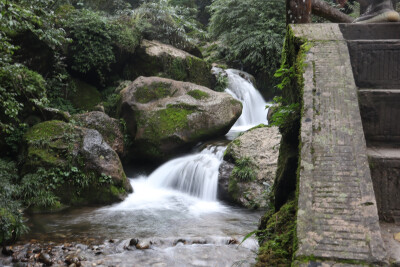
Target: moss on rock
(163, 122)
(74, 164)
(158, 59)
(197, 94)
(153, 92)
(277, 235)
(86, 96)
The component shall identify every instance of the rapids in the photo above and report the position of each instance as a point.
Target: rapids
(174, 209)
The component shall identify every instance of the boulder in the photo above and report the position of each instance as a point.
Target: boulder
(108, 127)
(86, 96)
(164, 115)
(247, 173)
(91, 170)
(154, 58)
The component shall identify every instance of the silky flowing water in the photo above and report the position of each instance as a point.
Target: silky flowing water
(173, 208)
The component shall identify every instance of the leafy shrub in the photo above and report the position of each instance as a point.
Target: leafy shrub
(222, 82)
(20, 89)
(169, 23)
(251, 33)
(243, 170)
(11, 219)
(95, 38)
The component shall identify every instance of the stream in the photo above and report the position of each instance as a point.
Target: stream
(174, 210)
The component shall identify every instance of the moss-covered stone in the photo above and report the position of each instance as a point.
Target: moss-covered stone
(109, 128)
(48, 145)
(253, 156)
(162, 122)
(278, 227)
(158, 59)
(197, 94)
(276, 236)
(86, 96)
(74, 163)
(155, 91)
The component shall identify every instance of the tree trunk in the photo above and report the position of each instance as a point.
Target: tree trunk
(324, 10)
(298, 11)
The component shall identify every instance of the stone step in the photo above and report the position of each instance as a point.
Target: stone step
(385, 172)
(380, 113)
(373, 31)
(375, 63)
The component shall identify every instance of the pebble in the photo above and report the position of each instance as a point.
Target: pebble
(133, 242)
(143, 245)
(72, 259)
(8, 251)
(397, 237)
(46, 259)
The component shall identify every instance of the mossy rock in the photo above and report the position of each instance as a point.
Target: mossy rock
(86, 96)
(108, 127)
(164, 116)
(253, 157)
(86, 167)
(277, 236)
(154, 58)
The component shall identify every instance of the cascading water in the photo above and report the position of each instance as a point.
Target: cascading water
(196, 174)
(254, 106)
(175, 202)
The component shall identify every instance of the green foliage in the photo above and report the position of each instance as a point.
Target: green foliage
(109, 6)
(251, 33)
(11, 220)
(244, 170)
(285, 114)
(94, 39)
(198, 94)
(35, 190)
(222, 82)
(20, 89)
(169, 22)
(276, 236)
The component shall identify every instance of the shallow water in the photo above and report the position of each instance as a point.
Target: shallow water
(174, 209)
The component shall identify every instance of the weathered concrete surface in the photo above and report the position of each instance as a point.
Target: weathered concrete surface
(337, 212)
(376, 63)
(385, 171)
(380, 112)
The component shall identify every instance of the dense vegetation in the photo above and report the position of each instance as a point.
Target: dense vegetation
(251, 35)
(59, 56)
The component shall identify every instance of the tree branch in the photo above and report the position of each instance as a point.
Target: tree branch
(322, 9)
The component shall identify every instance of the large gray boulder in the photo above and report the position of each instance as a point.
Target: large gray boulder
(163, 115)
(92, 171)
(108, 127)
(247, 173)
(154, 58)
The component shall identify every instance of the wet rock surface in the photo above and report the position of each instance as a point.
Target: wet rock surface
(108, 127)
(60, 145)
(261, 147)
(163, 116)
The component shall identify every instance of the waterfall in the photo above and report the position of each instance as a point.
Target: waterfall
(254, 106)
(195, 174)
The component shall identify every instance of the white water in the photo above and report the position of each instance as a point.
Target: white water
(177, 200)
(254, 106)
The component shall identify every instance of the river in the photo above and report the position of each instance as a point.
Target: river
(174, 210)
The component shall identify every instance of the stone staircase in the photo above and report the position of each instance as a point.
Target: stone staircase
(350, 143)
(375, 58)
